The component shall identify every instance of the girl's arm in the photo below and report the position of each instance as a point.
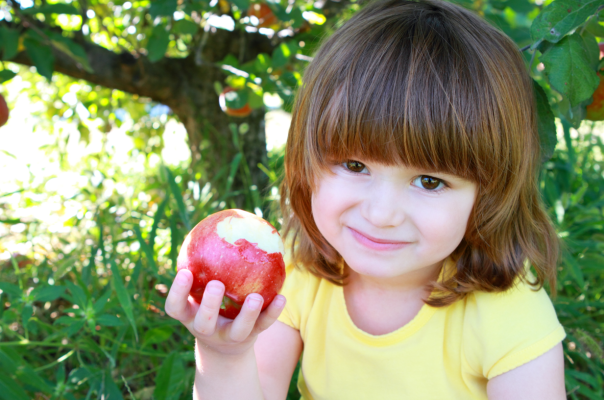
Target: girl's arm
(225, 359)
(277, 350)
(539, 379)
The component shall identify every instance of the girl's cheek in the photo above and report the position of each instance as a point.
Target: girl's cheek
(445, 224)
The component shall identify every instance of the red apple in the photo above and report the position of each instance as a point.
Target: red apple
(241, 250)
(3, 111)
(233, 112)
(266, 18)
(595, 110)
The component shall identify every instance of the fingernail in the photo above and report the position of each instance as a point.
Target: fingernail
(279, 301)
(213, 288)
(254, 303)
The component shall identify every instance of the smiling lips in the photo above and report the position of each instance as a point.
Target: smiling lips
(376, 244)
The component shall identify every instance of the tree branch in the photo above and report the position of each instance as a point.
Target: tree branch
(163, 81)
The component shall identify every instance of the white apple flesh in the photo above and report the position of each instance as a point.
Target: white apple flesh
(241, 250)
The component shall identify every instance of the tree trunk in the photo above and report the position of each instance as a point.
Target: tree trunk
(214, 148)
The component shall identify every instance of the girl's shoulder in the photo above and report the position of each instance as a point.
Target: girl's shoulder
(506, 329)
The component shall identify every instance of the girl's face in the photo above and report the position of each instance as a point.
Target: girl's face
(391, 221)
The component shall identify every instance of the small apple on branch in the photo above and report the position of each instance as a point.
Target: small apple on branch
(241, 250)
(3, 111)
(595, 110)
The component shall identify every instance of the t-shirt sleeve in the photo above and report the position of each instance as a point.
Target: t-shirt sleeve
(505, 330)
(295, 291)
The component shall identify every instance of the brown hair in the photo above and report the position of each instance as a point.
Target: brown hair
(432, 84)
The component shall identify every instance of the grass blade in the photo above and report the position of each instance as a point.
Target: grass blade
(123, 296)
(159, 214)
(147, 249)
(232, 172)
(175, 189)
(168, 381)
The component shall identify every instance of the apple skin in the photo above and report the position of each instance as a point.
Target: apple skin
(3, 111)
(595, 110)
(233, 112)
(247, 258)
(266, 18)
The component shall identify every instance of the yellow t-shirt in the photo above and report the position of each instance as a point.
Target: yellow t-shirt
(443, 353)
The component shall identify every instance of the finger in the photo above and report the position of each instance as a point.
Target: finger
(177, 303)
(270, 315)
(244, 323)
(207, 315)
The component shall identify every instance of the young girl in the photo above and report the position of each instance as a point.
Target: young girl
(412, 218)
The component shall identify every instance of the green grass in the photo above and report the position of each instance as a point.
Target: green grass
(82, 311)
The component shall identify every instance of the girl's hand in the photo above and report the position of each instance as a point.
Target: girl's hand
(214, 332)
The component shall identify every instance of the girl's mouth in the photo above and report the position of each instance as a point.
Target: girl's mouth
(375, 243)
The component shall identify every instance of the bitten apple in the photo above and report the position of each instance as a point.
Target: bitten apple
(241, 250)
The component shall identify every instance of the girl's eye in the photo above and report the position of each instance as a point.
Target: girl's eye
(429, 183)
(354, 166)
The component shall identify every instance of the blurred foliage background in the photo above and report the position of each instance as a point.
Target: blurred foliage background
(133, 120)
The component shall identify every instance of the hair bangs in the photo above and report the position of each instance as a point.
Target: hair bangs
(414, 117)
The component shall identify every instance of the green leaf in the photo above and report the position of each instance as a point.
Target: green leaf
(158, 43)
(74, 328)
(546, 123)
(41, 56)
(560, 17)
(185, 27)
(169, 380)
(9, 360)
(123, 296)
(99, 305)
(65, 320)
(281, 55)
(6, 75)
(162, 8)
(592, 49)
(262, 62)
(29, 376)
(236, 99)
(9, 390)
(47, 293)
(72, 49)
(157, 335)
(594, 27)
(575, 115)
(77, 294)
(568, 67)
(111, 391)
(26, 313)
(243, 5)
(521, 6)
(11, 289)
(109, 320)
(255, 99)
(57, 8)
(9, 42)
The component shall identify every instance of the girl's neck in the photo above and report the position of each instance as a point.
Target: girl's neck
(412, 283)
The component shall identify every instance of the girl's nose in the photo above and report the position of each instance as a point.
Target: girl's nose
(384, 205)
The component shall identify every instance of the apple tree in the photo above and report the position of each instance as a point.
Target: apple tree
(184, 54)
(212, 65)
